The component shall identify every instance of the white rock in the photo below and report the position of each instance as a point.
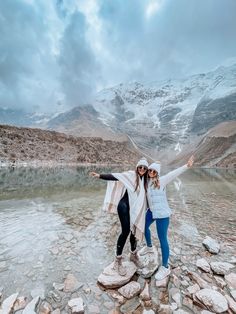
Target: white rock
(145, 294)
(165, 309)
(148, 311)
(162, 283)
(203, 264)
(231, 280)
(231, 303)
(76, 305)
(206, 312)
(193, 289)
(149, 263)
(109, 278)
(211, 245)
(213, 300)
(130, 290)
(8, 304)
(180, 311)
(31, 307)
(221, 268)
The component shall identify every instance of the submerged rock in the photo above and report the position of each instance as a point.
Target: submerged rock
(211, 245)
(109, 278)
(212, 300)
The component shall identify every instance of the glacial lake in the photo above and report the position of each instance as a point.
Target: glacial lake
(52, 223)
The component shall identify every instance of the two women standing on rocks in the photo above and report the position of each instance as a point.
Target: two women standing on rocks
(139, 197)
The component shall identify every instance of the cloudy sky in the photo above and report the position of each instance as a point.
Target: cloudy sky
(56, 54)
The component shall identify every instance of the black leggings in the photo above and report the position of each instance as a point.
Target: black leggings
(123, 213)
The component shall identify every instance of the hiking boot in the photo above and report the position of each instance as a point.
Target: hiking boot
(118, 267)
(162, 273)
(146, 250)
(135, 259)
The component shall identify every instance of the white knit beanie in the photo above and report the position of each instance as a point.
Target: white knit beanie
(155, 166)
(142, 162)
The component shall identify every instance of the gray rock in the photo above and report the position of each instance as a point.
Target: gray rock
(145, 294)
(233, 294)
(76, 305)
(109, 278)
(213, 300)
(221, 268)
(130, 306)
(203, 265)
(130, 290)
(211, 245)
(231, 280)
(231, 303)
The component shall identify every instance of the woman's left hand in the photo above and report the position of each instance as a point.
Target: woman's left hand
(190, 161)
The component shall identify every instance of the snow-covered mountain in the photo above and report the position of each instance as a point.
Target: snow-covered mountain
(164, 113)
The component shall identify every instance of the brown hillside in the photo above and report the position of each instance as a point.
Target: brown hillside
(27, 145)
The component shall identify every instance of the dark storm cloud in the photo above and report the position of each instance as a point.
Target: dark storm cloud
(181, 37)
(62, 51)
(79, 69)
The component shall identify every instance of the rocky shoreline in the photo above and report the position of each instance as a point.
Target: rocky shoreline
(201, 282)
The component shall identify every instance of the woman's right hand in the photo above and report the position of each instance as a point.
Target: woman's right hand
(94, 174)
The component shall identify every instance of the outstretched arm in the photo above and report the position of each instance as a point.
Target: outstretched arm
(177, 172)
(107, 177)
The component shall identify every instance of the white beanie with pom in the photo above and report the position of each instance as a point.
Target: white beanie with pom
(155, 166)
(142, 162)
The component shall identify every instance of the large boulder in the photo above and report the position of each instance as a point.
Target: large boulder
(130, 290)
(110, 279)
(212, 300)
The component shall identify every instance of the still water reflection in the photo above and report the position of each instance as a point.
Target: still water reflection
(51, 222)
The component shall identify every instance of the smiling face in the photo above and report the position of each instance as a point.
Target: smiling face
(152, 173)
(141, 170)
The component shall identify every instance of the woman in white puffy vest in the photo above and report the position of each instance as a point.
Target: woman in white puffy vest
(159, 211)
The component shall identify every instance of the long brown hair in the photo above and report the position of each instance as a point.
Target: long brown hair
(137, 180)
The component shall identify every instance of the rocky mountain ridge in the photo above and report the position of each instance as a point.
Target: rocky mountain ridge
(27, 145)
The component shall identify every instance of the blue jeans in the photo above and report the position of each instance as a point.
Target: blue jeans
(162, 225)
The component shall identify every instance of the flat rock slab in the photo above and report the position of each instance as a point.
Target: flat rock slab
(221, 268)
(130, 290)
(109, 278)
(213, 300)
(149, 262)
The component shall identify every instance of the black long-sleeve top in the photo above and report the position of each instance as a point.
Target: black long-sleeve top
(110, 177)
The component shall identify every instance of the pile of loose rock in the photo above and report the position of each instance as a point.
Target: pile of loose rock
(201, 282)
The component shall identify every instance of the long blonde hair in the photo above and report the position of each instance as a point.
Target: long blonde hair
(156, 182)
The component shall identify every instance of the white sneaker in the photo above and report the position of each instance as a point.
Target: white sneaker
(162, 273)
(146, 250)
